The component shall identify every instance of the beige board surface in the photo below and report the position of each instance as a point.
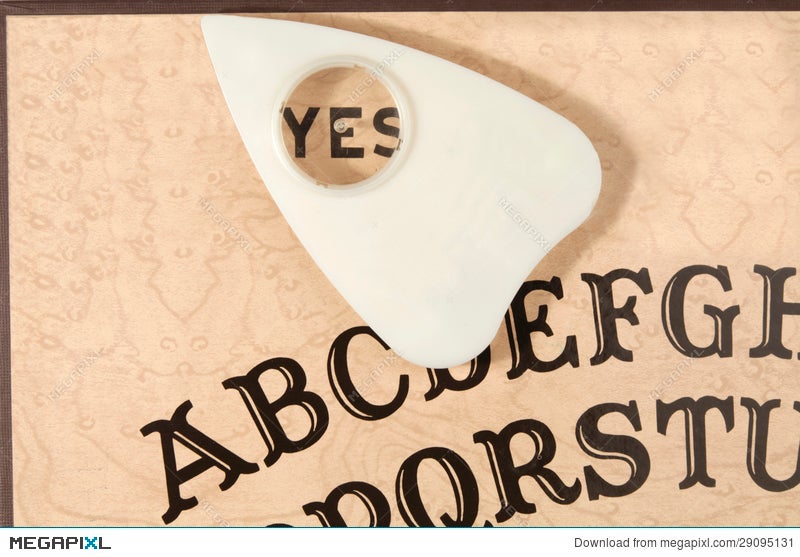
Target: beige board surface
(149, 264)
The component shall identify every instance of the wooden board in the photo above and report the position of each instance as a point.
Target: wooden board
(148, 265)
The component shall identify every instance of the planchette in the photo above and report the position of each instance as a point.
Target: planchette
(424, 191)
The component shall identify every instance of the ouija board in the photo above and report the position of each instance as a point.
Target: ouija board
(176, 357)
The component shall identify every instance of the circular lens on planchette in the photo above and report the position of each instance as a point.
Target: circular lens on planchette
(340, 125)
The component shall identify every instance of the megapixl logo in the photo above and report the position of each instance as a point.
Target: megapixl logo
(57, 542)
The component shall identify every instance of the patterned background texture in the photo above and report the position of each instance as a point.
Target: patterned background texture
(149, 264)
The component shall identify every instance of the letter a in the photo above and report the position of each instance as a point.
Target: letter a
(211, 454)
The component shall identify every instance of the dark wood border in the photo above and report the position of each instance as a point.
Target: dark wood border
(6, 498)
(42, 7)
(59, 7)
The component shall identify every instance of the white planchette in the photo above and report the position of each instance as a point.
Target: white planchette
(431, 250)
